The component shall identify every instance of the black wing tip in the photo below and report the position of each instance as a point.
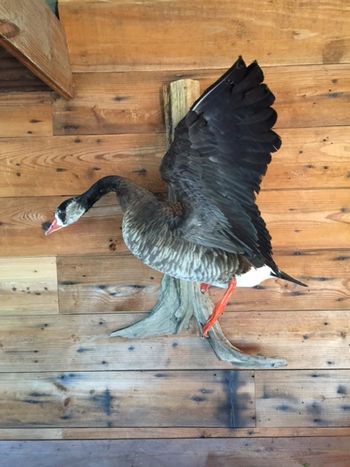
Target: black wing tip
(287, 277)
(277, 142)
(239, 63)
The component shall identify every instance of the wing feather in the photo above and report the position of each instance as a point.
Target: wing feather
(215, 164)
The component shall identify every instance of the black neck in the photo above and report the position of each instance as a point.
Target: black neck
(124, 189)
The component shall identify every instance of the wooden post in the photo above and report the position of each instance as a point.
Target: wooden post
(180, 301)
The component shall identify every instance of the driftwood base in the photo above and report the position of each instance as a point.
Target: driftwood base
(179, 303)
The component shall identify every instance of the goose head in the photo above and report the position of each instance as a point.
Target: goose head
(67, 213)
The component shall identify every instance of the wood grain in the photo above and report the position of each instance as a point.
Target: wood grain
(297, 220)
(265, 452)
(203, 34)
(24, 114)
(28, 285)
(302, 398)
(131, 102)
(312, 339)
(69, 165)
(95, 284)
(107, 399)
(62, 376)
(168, 433)
(33, 34)
(309, 158)
(105, 284)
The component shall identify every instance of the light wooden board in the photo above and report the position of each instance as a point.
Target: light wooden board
(105, 284)
(24, 114)
(66, 164)
(303, 398)
(131, 102)
(28, 285)
(33, 34)
(168, 433)
(307, 339)
(267, 452)
(203, 33)
(95, 284)
(309, 158)
(297, 220)
(107, 399)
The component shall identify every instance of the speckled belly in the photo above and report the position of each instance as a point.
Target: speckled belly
(178, 258)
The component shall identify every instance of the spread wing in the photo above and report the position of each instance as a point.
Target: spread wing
(215, 164)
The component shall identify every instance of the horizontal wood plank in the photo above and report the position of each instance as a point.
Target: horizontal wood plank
(131, 102)
(264, 452)
(69, 165)
(203, 33)
(313, 339)
(302, 219)
(168, 433)
(25, 114)
(95, 284)
(107, 399)
(303, 398)
(309, 158)
(28, 285)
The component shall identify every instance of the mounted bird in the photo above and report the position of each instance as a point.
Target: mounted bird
(210, 230)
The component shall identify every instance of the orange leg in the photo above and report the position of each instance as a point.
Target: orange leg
(204, 287)
(219, 308)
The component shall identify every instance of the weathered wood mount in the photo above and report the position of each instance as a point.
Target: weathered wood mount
(180, 302)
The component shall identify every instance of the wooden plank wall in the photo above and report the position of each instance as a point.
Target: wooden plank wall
(62, 377)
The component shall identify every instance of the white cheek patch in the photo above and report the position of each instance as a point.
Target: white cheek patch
(254, 277)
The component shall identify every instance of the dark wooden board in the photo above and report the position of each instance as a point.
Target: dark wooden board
(127, 399)
(263, 452)
(33, 34)
(303, 398)
(16, 77)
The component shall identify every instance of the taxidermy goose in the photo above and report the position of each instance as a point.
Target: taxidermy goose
(210, 231)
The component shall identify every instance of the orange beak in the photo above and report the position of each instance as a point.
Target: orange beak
(53, 227)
